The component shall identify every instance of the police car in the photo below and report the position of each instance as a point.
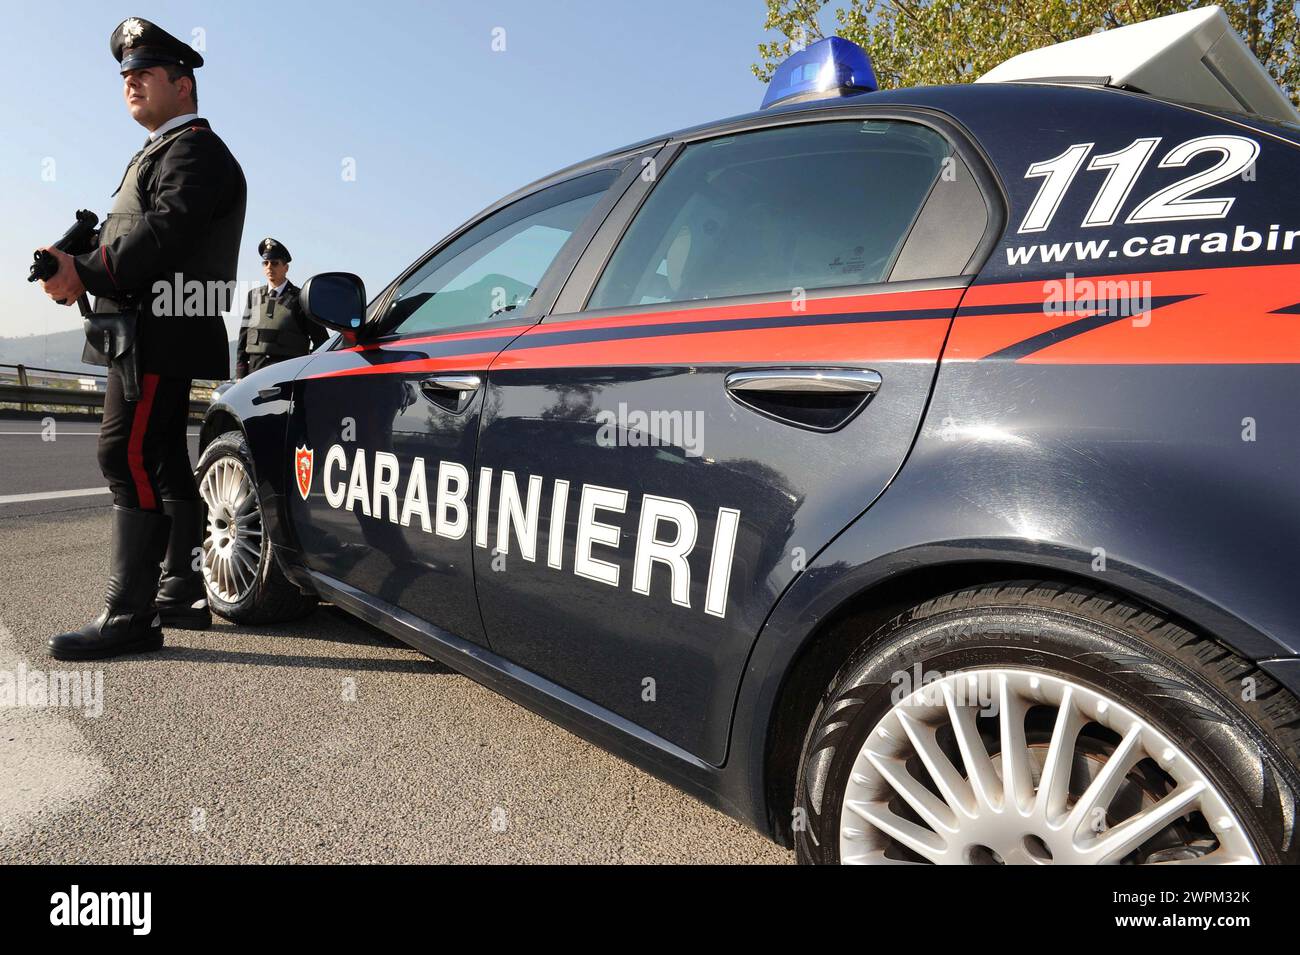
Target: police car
(909, 474)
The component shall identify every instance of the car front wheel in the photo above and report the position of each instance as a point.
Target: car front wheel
(1037, 723)
(244, 581)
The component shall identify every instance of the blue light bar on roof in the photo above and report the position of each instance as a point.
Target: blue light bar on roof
(827, 69)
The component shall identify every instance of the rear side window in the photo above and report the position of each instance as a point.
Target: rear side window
(816, 206)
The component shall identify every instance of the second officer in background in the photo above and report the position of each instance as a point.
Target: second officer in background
(274, 326)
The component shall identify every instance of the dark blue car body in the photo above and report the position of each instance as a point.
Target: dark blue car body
(1157, 458)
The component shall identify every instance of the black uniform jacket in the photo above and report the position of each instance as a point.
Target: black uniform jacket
(193, 196)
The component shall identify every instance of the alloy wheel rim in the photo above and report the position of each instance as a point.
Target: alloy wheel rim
(1009, 766)
(232, 545)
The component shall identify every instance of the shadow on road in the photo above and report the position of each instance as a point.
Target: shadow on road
(342, 629)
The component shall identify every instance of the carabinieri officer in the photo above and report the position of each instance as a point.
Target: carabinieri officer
(274, 326)
(176, 221)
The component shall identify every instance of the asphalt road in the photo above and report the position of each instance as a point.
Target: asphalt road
(40, 458)
(318, 741)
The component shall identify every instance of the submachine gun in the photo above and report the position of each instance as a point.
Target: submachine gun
(109, 337)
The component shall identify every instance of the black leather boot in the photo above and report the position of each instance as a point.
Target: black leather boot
(182, 597)
(129, 623)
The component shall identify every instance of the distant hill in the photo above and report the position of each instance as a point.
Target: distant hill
(60, 351)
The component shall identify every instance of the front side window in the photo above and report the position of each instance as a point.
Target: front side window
(815, 206)
(492, 270)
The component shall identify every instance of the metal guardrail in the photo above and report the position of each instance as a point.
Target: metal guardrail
(42, 389)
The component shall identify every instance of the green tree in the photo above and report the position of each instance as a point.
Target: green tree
(921, 42)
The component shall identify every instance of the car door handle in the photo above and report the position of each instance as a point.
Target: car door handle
(452, 392)
(808, 381)
(452, 383)
(818, 399)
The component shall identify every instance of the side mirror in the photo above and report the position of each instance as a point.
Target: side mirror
(336, 300)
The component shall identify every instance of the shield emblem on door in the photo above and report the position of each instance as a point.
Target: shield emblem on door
(302, 464)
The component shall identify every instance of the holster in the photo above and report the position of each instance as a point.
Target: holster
(112, 337)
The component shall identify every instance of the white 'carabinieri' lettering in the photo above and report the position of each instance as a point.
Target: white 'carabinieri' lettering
(667, 532)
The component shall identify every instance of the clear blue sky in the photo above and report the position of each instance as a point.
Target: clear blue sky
(438, 123)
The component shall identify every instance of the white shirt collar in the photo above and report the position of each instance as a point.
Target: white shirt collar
(279, 288)
(172, 124)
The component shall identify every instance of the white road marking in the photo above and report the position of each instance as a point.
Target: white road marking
(64, 434)
(52, 495)
(46, 762)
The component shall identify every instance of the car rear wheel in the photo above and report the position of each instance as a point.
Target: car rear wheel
(1035, 723)
(245, 582)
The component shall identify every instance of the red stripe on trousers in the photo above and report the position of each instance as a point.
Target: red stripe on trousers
(135, 446)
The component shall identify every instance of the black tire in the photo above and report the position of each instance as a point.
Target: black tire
(1187, 686)
(273, 598)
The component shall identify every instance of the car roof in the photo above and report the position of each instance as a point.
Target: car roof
(955, 98)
